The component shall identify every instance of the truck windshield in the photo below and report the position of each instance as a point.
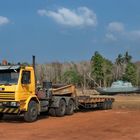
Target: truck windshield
(8, 77)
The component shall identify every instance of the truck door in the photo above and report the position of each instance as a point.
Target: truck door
(26, 84)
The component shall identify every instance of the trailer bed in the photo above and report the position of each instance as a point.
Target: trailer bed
(103, 102)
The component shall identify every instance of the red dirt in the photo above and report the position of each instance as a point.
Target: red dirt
(97, 125)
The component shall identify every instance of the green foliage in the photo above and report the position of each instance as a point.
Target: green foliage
(119, 59)
(121, 63)
(97, 62)
(127, 58)
(72, 77)
(98, 72)
(100, 68)
(130, 73)
(108, 67)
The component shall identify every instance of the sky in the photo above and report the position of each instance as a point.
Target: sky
(68, 30)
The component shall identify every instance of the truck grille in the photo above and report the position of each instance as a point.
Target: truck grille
(7, 96)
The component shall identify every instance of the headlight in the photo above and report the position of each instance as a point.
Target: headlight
(5, 103)
(14, 104)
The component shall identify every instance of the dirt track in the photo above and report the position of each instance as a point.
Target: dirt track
(97, 125)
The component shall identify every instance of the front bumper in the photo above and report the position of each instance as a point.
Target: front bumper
(9, 107)
(9, 110)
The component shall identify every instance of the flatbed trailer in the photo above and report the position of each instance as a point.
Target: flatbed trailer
(98, 101)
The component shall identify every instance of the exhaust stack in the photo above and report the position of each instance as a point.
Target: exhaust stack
(33, 62)
(33, 59)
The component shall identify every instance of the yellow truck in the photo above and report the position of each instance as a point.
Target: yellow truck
(20, 95)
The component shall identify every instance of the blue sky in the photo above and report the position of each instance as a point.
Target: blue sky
(68, 30)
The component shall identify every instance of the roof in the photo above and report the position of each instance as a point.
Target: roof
(12, 67)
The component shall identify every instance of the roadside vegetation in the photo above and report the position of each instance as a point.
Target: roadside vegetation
(99, 71)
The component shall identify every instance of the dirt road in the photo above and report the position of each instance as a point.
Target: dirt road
(95, 125)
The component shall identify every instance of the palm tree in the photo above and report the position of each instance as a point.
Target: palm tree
(127, 58)
(119, 62)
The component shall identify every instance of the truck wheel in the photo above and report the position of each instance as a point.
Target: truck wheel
(1, 115)
(52, 112)
(60, 111)
(70, 107)
(32, 112)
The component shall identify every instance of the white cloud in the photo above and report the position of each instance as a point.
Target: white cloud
(110, 37)
(42, 12)
(4, 20)
(82, 16)
(117, 32)
(115, 27)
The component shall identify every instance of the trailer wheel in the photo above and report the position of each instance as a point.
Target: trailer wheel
(105, 105)
(31, 114)
(110, 105)
(60, 111)
(52, 112)
(70, 107)
(1, 115)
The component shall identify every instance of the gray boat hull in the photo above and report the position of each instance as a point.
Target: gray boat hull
(112, 91)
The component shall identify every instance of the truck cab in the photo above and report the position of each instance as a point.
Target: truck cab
(17, 89)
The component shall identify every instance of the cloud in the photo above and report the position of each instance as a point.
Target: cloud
(115, 27)
(110, 37)
(81, 16)
(116, 32)
(4, 20)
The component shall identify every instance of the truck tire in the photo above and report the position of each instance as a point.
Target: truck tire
(32, 112)
(52, 112)
(1, 115)
(70, 107)
(60, 111)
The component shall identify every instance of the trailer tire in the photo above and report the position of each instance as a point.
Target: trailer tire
(31, 114)
(110, 105)
(70, 107)
(1, 115)
(105, 105)
(52, 112)
(60, 111)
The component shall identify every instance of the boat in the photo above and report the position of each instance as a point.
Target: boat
(119, 87)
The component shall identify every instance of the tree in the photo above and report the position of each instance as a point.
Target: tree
(127, 58)
(130, 74)
(108, 76)
(119, 63)
(97, 63)
(72, 77)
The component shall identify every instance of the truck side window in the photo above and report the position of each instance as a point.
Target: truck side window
(26, 77)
